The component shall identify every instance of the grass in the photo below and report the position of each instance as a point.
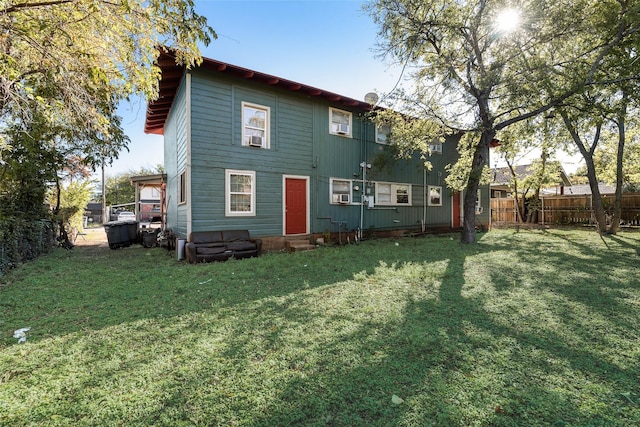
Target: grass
(529, 328)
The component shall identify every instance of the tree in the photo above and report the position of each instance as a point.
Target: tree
(467, 73)
(64, 67)
(118, 188)
(70, 202)
(524, 137)
(472, 76)
(610, 94)
(74, 60)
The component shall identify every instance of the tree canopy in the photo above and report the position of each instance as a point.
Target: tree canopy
(69, 62)
(472, 75)
(65, 65)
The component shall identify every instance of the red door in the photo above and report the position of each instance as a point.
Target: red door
(456, 223)
(295, 206)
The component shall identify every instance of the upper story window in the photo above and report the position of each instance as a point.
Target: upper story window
(255, 125)
(436, 146)
(340, 191)
(382, 134)
(434, 194)
(240, 194)
(393, 194)
(340, 122)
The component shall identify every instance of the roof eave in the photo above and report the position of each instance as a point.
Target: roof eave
(172, 75)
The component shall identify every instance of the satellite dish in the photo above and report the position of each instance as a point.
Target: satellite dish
(371, 98)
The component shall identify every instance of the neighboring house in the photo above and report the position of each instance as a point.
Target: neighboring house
(248, 150)
(502, 182)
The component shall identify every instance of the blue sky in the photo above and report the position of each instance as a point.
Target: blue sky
(323, 43)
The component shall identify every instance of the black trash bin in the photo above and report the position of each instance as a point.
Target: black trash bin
(121, 233)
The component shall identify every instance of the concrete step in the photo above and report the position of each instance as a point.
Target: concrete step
(299, 245)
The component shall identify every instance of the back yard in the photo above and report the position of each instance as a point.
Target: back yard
(532, 328)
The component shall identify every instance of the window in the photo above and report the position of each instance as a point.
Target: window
(240, 193)
(339, 122)
(382, 134)
(182, 188)
(393, 194)
(435, 147)
(340, 191)
(478, 202)
(255, 125)
(434, 194)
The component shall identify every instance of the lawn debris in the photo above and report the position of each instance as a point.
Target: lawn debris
(21, 335)
(397, 400)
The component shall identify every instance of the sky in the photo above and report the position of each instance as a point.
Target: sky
(328, 44)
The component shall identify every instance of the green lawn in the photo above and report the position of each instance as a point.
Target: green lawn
(528, 328)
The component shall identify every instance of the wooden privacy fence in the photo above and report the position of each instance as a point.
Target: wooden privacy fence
(570, 209)
(503, 210)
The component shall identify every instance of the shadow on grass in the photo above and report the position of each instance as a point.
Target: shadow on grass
(329, 337)
(454, 364)
(93, 287)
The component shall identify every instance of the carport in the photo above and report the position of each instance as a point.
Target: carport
(150, 200)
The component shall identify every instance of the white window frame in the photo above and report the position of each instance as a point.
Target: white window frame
(334, 194)
(182, 188)
(393, 194)
(435, 148)
(249, 130)
(228, 173)
(430, 200)
(478, 202)
(333, 124)
(382, 134)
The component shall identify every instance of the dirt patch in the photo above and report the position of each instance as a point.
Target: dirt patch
(92, 237)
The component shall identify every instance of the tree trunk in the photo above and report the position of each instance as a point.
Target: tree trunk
(587, 155)
(480, 160)
(596, 198)
(519, 206)
(617, 202)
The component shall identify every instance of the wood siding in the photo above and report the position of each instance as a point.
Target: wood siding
(175, 161)
(300, 145)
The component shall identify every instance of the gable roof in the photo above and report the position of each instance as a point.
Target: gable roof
(171, 76)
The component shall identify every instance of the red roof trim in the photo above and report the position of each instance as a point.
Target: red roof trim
(171, 77)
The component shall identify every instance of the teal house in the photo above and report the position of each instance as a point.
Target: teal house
(249, 150)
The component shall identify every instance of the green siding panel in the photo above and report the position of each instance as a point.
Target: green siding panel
(175, 137)
(300, 144)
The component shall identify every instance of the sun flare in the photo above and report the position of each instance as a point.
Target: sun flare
(508, 20)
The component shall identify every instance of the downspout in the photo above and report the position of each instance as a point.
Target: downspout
(364, 176)
(363, 165)
(188, 154)
(425, 198)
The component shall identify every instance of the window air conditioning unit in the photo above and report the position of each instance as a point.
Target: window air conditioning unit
(344, 198)
(342, 129)
(479, 209)
(255, 141)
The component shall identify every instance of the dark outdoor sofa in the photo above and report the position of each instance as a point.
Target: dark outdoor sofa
(204, 246)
